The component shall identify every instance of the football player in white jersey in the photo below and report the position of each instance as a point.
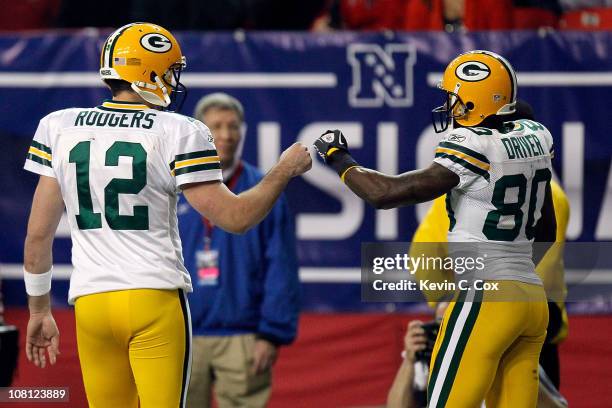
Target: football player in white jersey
(117, 169)
(496, 176)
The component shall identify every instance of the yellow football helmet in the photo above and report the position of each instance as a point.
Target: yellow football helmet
(478, 84)
(148, 57)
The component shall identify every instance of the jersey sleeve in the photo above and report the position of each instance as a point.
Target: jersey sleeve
(39, 158)
(195, 157)
(460, 152)
(549, 143)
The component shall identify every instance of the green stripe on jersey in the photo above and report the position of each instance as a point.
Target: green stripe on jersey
(195, 155)
(37, 159)
(464, 163)
(197, 167)
(41, 147)
(465, 150)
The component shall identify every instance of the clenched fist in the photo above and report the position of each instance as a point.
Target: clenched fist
(329, 142)
(333, 149)
(296, 159)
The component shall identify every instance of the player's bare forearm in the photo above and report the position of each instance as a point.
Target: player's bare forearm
(252, 206)
(384, 191)
(37, 253)
(38, 259)
(378, 189)
(238, 213)
(47, 209)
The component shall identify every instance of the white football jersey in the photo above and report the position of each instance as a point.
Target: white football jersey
(120, 167)
(499, 198)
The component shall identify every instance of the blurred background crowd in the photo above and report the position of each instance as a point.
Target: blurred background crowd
(316, 15)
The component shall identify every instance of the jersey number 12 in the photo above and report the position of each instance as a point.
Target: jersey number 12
(87, 218)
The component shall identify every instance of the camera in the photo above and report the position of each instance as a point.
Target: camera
(431, 332)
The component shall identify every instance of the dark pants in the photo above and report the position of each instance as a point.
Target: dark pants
(549, 357)
(9, 350)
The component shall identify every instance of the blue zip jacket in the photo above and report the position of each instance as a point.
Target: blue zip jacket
(258, 289)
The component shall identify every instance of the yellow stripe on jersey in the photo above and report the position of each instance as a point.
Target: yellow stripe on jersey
(193, 162)
(120, 105)
(480, 164)
(39, 153)
(188, 166)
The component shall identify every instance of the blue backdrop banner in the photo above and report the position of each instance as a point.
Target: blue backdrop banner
(378, 88)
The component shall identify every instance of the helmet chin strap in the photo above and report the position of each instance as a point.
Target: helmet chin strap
(150, 96)
(164, 90)
(453, 99)
(455, 92)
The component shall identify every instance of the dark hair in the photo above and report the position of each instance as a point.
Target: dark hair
(118, 85)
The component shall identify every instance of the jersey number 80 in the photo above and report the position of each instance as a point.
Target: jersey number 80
(491, 229)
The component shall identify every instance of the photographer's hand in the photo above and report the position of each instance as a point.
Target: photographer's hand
(414, 340)
(401, 395)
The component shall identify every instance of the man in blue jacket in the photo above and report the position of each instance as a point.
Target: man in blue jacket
(245, 302)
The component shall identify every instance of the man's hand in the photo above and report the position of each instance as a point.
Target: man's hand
(42, 334)
(296, 160)
(264, 356)
(330, 142)
(414, 340)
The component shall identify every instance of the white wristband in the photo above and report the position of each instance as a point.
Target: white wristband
(37, 284)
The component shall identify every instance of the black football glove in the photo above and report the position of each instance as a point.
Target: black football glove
(330, 142)
(332, 147)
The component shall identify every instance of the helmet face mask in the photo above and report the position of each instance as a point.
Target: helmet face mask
(478, 84)
(150, 59)
(179, 92)
(443, 115)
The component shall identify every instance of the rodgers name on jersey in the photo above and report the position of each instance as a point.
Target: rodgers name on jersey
(120, 167)
(93, 117)
(498, 201)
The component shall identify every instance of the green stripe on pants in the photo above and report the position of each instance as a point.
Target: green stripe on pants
(456, 358)
(448, 331)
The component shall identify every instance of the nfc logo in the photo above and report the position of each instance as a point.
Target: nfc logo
(381, 76)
